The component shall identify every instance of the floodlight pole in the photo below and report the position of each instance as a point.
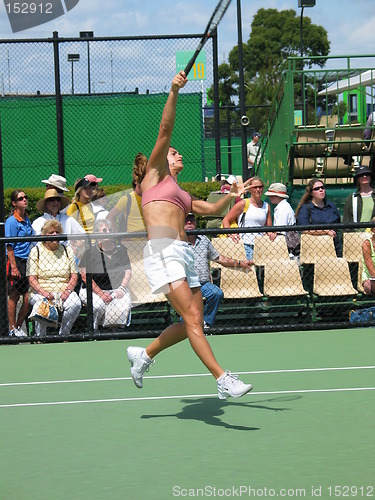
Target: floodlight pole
(245, 170)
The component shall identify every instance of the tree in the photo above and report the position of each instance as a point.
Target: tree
(274, 36)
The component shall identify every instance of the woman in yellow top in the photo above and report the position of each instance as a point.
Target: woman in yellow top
(126, 215)
(80, 208)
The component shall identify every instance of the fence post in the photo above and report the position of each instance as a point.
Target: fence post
(59, 108)
(216, 101)
(4, 325)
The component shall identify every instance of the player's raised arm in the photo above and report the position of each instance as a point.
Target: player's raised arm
(158, 158)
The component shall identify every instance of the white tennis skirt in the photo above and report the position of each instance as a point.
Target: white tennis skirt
(166, 261)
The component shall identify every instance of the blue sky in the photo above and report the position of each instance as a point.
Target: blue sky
(350, 24)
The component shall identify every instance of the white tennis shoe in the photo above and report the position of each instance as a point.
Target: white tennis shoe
(228, 385)
(140, 363)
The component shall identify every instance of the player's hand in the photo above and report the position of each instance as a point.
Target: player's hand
(179, 81)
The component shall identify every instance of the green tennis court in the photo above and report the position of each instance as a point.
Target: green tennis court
(74, 426)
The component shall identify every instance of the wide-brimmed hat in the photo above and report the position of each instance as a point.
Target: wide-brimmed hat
(52, 193)
(277, 189)
(362, 170)
(231, 179)
(56, 181)
(93, 178)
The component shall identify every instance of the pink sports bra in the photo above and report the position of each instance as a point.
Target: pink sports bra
(168, 190)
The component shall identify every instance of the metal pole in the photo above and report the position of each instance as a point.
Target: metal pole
(245, 170)
(72, 78)
(88, 67)
(4, 324)
(59, 109)
(216, 102)
(302, 83)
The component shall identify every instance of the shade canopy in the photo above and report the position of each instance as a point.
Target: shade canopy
(363, 80)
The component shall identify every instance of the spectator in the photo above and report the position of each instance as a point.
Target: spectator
(94, 181)
(110, 269)
(17, 224)
(204, 252)
(253, 153)
(53, 274)
(99, 202)
(360, 206)
(314, 208)
(368, 259)
(127, 213)
(283, 215)
(225, 184)
(369, 124)
(52, 205)
(81, 207)
(56, 182)
(252, 212)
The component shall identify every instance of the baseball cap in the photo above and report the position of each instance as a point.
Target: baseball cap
(93, 178)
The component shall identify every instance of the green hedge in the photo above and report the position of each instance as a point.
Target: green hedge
(198, 189)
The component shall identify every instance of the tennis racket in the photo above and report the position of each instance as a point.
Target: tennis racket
(212, 24)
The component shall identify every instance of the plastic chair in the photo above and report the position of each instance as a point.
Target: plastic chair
(283, 279)
(227, 247)
(332, 278)
(267, 251)
(314, 248)
(315, 137)
(239, 283)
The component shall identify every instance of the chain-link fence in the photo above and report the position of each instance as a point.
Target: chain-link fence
(70, 106)
(314, 285)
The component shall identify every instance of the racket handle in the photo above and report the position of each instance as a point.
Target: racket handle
(190, 64)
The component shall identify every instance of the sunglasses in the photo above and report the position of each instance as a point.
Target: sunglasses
(104, 230)
(319, 188)
(53, 199)
(21, 198)
(93, 184)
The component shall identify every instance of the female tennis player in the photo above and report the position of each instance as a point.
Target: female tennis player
(168, 259)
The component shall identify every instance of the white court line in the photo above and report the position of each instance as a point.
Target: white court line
(187, 375)
(185, 396)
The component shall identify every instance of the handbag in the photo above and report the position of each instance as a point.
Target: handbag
(362, 315)
(45, 312)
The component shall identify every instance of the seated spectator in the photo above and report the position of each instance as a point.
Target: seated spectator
(17, 224)
(99, 202)
(283, 215)
(126, 216)
(56, 182)
(53, 274)
(225, 184)
(250, 212)
(360, 206)
(204, 252)
(80, 208)
(368, 259)
(94, 181)
(52, 205)
(110, 270)
(314, 208)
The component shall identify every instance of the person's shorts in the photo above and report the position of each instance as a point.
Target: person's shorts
(21, 284)
(166, 261)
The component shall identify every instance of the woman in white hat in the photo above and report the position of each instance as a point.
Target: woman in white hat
(51, 205)
(57, 182)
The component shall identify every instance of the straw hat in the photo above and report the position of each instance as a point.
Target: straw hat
(52, 193)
